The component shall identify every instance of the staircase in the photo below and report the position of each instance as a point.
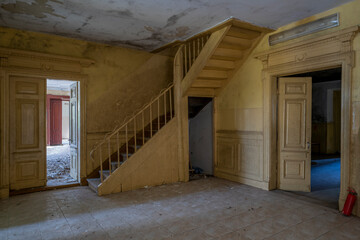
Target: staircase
(121, 144)
(203, 66)
(207, 68)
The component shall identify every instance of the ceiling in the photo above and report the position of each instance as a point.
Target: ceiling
(149, 24)
(60, 85)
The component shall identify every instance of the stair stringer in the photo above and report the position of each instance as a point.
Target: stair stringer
(155, 163)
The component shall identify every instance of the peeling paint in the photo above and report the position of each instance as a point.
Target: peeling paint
(122, 13)
(37, 9)
(174, 18)
(148, 24)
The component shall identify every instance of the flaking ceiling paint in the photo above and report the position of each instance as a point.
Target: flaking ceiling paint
(149, 24)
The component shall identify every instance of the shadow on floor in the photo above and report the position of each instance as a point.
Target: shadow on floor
(325, 183)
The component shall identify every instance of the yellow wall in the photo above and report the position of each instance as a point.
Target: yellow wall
(242, 99)
(240, 104)
(120, 82)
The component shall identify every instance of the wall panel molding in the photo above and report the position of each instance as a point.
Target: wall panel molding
(240, 157)
(319, 53)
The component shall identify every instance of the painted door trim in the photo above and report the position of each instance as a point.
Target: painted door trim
(51, 66)
(325, 52)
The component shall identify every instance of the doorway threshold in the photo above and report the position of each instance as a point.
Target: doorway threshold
(41, 189)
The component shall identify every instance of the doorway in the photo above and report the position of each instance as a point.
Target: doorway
(324, 139)
(200, 115)
(59, 119)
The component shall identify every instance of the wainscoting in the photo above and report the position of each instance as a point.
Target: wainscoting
(240, 157)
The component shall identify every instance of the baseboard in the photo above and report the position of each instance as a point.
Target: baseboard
(242, 180)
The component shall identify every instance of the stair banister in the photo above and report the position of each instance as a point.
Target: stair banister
(168, 101)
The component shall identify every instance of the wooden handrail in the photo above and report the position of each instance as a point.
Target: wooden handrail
(125, 127)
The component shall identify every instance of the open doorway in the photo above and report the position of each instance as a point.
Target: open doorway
(325, 136)
(200, 137)
(59, 120)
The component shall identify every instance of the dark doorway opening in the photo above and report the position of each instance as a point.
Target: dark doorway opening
(200, 137)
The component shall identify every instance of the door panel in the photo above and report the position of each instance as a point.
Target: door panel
(74, 130)
(27, 132)
(55, 122)
(295, 134)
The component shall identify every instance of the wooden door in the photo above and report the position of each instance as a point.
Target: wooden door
(74, 130)
(27, 132)
(295, 134)
(55, 122)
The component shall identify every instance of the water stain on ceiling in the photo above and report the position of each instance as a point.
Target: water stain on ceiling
(149, 24)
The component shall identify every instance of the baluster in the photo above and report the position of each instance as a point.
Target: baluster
(202, 41)
(198, 47)
(185, 59)
(190, 63)
(127, 142)
(151, 121)
(170, 96)
(109, 156)
(165, 106)
(143, 127)
(194, 46)
(134, 134)
(118, 147)
(101, 166)
(158, 113)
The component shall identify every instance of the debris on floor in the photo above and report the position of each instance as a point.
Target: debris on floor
(58, 165)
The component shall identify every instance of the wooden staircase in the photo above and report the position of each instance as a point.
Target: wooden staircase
(127, 150)
(206, 72)
(121, 144)
(203, 66)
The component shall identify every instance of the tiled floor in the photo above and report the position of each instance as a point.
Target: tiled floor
(204, 209)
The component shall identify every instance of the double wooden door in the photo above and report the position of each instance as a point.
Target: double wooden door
(28, 132)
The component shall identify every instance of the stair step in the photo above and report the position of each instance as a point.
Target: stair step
(114, 166)
(199, 83)
(123, 155)
(229, 54)
(237, 43)
(213, 74)
(106, 173)
(242, 33)
(93, 183)
(220, 64)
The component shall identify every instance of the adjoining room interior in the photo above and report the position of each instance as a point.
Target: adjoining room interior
(200, 137)
(58, 132)
(325, 136)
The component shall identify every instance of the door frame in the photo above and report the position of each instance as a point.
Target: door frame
(213, 130)
(325, 52)
(49, 66)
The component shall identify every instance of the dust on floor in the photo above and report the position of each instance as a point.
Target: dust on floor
(58, 165)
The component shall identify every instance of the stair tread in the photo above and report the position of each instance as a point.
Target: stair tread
(93, 183)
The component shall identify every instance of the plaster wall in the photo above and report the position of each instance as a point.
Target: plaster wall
(65, 119)
(119, 83)
(240, 105)
(201, 139)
